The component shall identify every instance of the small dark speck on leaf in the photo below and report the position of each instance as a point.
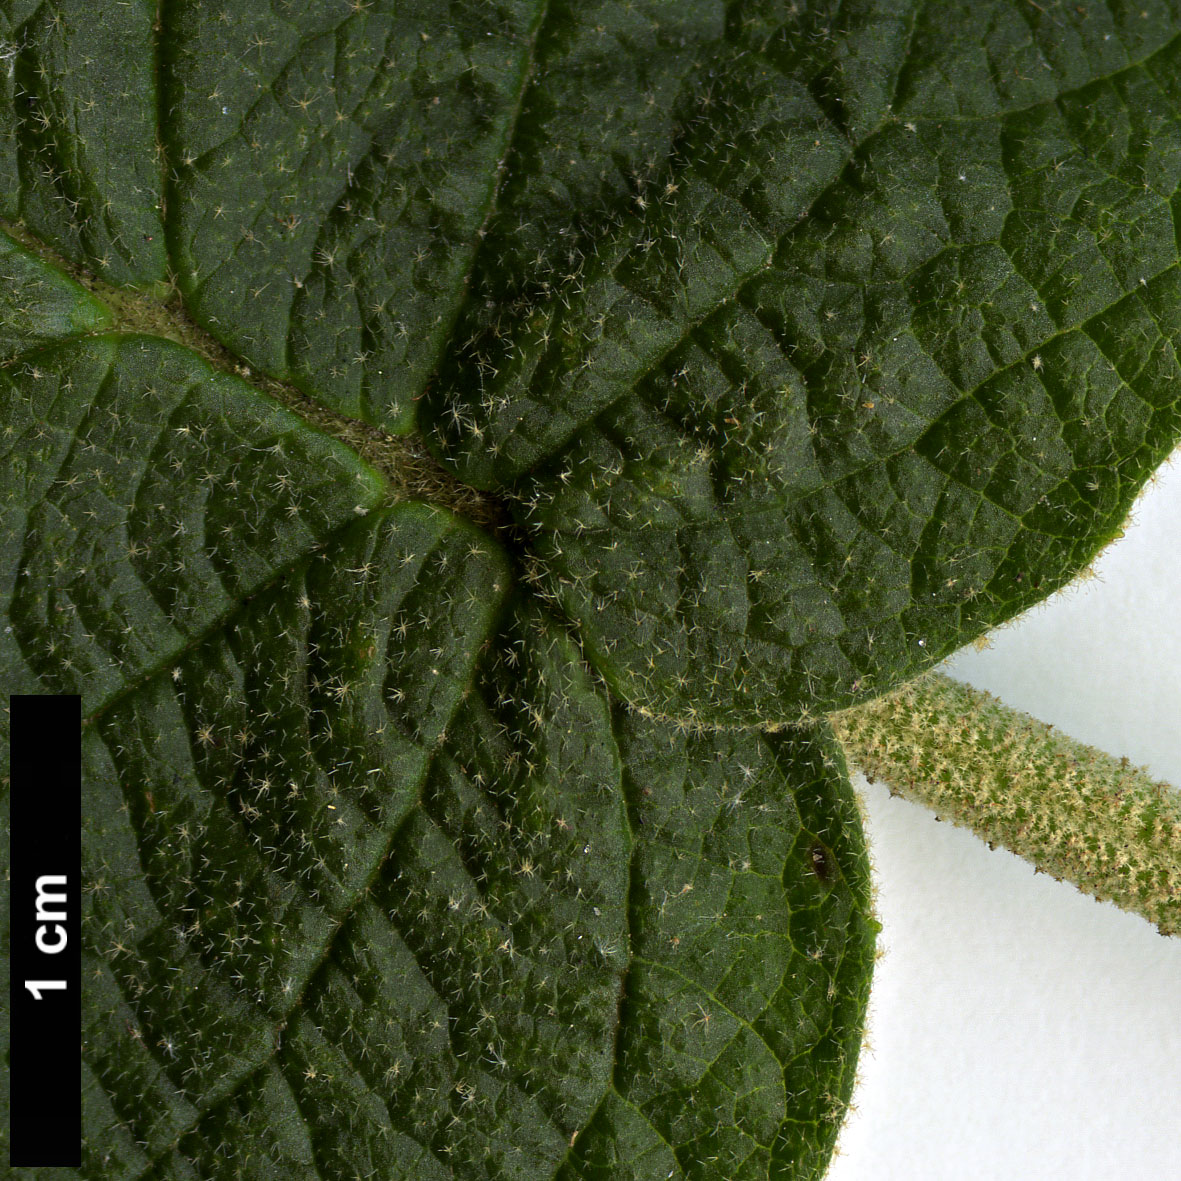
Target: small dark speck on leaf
(821, 865)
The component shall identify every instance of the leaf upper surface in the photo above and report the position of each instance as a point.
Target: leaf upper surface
(335, 164)
(39, 304)
(810, 341)
(239, 806)
(79, 162)
(880, 365)
(144, 495)
(805, 342)
(361, 898)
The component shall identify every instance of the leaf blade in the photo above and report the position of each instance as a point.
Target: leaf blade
(928, 403)
(227, 771)
(146, 495)
(463, 1012)
(346, 161)
(38, 304)
(79, 164)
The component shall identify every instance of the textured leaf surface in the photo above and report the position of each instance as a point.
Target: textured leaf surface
(78, 152)
(357, 903)
(811, 341)
(332, 168)
(806, 342)
(751, 949)
(39, 304)
(335, 166)
(143, 496)
(878, 360)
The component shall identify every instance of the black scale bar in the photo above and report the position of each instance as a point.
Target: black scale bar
(45, 953)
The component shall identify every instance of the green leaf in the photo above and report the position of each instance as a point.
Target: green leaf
(751, 948)
(79, 160)
(39, 304)
(239, 804)
(809, 341)
(878, 358)
(342, 161)
(355, 902)
(794, 345)
(144, 496)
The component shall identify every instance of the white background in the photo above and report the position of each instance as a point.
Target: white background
(1019, 1030)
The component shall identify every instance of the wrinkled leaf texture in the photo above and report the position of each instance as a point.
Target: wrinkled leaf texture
(803, 342)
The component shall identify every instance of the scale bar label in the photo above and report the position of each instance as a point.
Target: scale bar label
(45, 953)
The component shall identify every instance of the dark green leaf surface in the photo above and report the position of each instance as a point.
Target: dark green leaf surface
(335, 164)
(751, 949)
(811, 340)
(354, 904)
(238, 806)
(878, 361)
(39, 304)
(78, 152)
(143, 496)
(805, 343)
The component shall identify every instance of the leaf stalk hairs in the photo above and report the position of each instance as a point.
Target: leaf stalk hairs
(1071, 810)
